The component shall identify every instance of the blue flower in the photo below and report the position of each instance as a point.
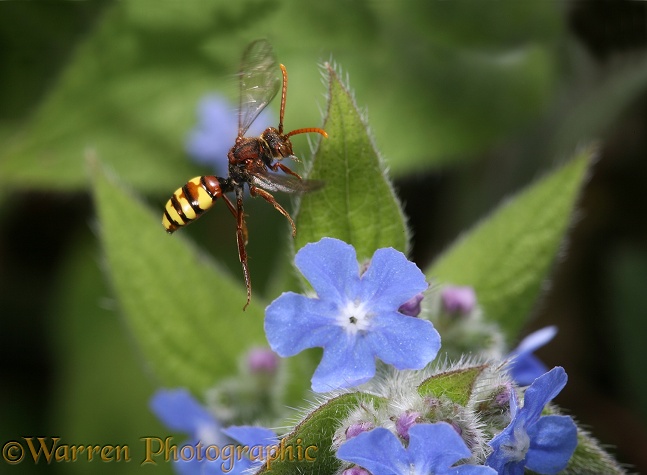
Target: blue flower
(180, 412)
(209, 142)
(433, 450)
(543, 444)
(256, 438)
(355, 317)
(524, 366)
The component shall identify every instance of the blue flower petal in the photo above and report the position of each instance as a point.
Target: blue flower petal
(435, 447)
(510, 445)
(543, 390)
(390, 280)
(500, 461)
(404, 342)
(536, 340)
(209, 142)
(344, 365)
(179, 411)
(331, 267)
(553, 440)
(189, 467)
(470, 470)
(294, 322)
(378, 451)
(525, 368)
(217, 115)
(201, 147)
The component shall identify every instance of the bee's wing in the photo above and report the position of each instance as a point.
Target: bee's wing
(285, 183)
(259, 82)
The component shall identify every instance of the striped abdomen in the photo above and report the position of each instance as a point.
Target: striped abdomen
(190, 201)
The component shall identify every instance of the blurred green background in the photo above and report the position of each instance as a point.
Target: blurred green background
(468, 101)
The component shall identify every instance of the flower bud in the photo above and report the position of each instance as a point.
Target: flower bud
(456, 427)
(458, 300)
(412, 306)
(262, 360)
(404, 422)
(357, 428)
(356, 471)
(502, 398)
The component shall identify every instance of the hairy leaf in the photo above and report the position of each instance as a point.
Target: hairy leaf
(506, 258)
(183, 310)
(357, 203)
(455, 385)
(314, 436)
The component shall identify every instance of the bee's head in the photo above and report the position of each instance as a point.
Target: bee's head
(280, 145)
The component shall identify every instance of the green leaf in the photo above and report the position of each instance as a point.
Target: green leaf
(86, 336)
(316, 432)
(131, 86)
(469, 76)
(357, 203)
(590, 459)
(127, 94)
(183, 310)
(507, 257)
(455, 385)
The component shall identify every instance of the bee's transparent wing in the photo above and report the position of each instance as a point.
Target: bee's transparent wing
(259, 82)
(285, 183)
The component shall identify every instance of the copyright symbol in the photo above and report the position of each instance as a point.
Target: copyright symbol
(13, 452)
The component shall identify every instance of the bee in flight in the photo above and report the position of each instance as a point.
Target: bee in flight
(250, 159)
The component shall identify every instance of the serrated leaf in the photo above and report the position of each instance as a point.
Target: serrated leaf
(357, 203)
(183, 310)
(317, 431)
(507, 257)
(454, 385)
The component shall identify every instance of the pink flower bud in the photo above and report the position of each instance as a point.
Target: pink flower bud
(458, 300)
(412, 306)
(356, 429)
(404, 423)
(262, 360)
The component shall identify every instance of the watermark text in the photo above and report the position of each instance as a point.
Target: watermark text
(48, 450)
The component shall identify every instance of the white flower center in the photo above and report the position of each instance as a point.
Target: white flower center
(517, 448)
(354, 318)
(208, 434)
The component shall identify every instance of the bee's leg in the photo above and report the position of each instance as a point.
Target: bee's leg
(232, 208)
(241, 239)
(285, 169)
(255, 191)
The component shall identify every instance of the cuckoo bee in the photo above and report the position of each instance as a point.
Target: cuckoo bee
(251, 159)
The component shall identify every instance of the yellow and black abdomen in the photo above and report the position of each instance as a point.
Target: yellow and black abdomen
(190, 201)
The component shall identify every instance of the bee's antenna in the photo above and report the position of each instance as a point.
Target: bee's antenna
(283, 94)
(308, 130)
